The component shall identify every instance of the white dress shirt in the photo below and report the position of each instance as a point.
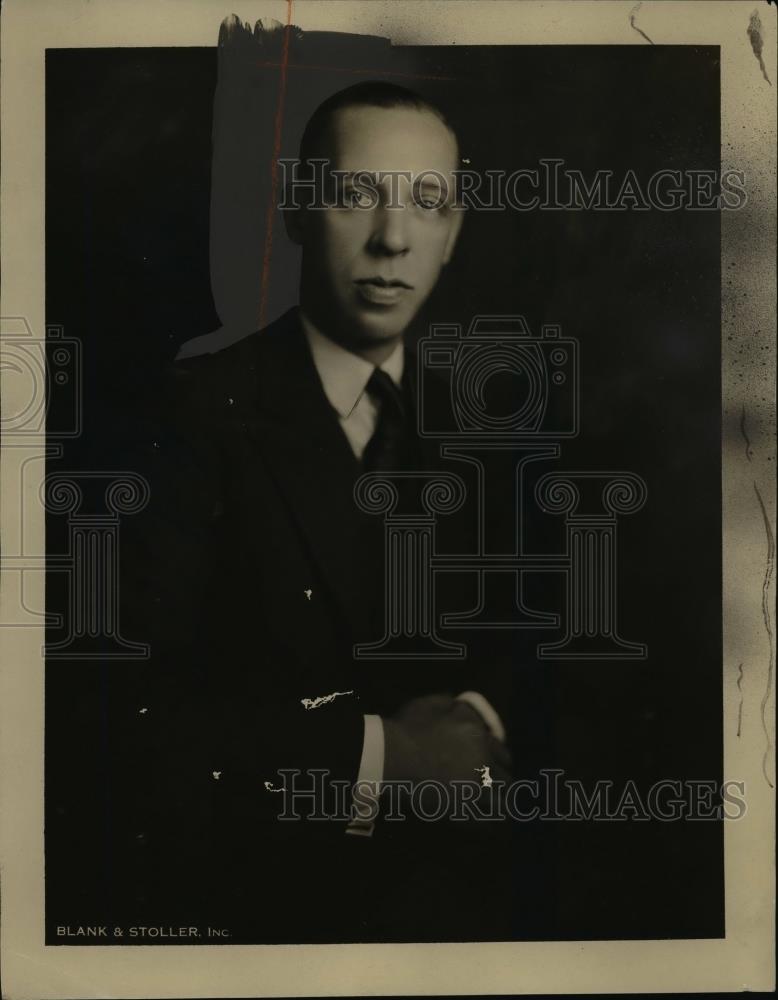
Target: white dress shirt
(344, 377)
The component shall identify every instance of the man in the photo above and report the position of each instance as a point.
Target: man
(263, 574)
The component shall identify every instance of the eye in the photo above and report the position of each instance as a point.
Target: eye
(428, 199)
(360, 199)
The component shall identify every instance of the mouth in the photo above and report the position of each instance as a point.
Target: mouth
(382, 291)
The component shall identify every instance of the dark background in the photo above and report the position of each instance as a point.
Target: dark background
(127, 257)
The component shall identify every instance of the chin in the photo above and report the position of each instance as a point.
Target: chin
(379, 329)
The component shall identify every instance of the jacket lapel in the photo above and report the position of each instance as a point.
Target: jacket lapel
(308, 456)
(436, 401)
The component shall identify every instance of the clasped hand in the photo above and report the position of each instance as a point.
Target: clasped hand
(441, 739)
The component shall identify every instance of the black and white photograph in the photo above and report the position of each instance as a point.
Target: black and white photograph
(388, 447)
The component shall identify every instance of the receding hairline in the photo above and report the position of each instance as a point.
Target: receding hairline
(327, 136)
(377, 95)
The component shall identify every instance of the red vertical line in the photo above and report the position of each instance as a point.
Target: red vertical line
(279, 122)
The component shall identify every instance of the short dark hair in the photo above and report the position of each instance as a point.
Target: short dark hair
(370, 94)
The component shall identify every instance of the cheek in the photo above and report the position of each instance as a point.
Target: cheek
(431, 245)
(344, 235)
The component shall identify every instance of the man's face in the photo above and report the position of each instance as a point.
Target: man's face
(367, 270)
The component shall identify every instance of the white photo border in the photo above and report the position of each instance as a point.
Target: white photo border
(744, 959)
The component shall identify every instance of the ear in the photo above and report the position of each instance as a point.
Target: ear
(294, 221)
(457, 218)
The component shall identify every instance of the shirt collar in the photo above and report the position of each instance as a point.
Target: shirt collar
(343, 374)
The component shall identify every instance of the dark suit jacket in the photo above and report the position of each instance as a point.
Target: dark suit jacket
(252, 505)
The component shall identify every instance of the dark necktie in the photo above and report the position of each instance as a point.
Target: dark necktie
(387, 448)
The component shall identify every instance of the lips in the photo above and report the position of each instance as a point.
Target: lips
(381, 291)
(381, 282)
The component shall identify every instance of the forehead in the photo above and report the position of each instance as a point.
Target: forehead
(370, 138)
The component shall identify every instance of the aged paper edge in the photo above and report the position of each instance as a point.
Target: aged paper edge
(744, 960)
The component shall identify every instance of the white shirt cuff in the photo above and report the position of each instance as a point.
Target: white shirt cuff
(371, 773)
(487, 712)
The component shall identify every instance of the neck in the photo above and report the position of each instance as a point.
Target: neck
(376, 354)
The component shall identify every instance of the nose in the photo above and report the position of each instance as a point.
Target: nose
(389, 237)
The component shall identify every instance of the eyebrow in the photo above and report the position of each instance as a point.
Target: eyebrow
(370, 179)
(372, 175)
